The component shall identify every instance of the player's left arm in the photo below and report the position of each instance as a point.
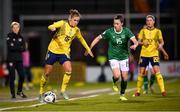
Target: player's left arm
(165, 54)
(135, 43)
(83, 42)
(160, 40)
(161, 43)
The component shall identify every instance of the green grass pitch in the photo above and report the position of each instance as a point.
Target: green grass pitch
(97, 97)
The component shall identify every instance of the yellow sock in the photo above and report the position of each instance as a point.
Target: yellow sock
(139, 82)
(160, 81)
(65, 81)
(42, 84)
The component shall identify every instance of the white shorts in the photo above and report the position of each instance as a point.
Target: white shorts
(149, 66)
(123, 65)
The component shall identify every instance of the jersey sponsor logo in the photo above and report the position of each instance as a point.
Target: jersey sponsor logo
(119, 41)
(122, 36)
(67, 38)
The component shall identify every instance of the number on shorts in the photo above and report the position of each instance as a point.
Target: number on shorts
(156, 59)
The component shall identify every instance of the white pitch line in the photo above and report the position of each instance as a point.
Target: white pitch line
(90, 96)
(128, 90)
(95, 91)
(26, 100)
(39, 104)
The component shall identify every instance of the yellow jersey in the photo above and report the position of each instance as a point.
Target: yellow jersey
(62, 39)
(152, 37)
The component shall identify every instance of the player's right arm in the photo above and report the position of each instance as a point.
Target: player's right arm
(94, 42)
(141, 40)
(55, 25)
(104, 35)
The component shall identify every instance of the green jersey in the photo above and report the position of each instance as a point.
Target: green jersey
(118, 43)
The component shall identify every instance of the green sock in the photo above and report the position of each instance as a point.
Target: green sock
(123, 87)
(153, 77)
(115, 79)
(146, 83)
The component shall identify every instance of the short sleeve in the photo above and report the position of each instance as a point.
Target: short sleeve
(57, 24)
(159, 34)
(140, 35)
(129, 33)
(105, 34)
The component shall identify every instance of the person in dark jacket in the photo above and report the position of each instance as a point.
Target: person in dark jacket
(15, 47)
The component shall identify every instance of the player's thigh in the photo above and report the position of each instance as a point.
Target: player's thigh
(156, 69)
(124, 67)
(114, 64)
(155, 63)
(67, 66)
(143, 63)
(50, 58)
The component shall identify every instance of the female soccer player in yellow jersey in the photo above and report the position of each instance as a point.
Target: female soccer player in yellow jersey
(152, 41)
(59, 49)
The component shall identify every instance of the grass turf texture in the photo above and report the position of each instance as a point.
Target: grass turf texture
(103, 102)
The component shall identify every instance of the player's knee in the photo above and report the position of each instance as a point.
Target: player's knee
(116, 75)
(68, 70)
(46, 74)
(68, 73)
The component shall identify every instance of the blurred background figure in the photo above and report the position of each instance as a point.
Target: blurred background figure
(27, 68)
(132, 67)
(4, 73)
(101, 59)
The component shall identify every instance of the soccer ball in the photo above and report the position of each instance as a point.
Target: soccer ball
(49, 97)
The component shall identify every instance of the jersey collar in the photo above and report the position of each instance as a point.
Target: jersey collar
(118, 32)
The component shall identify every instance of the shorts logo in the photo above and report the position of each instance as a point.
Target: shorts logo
(47, 56)
(68, 56)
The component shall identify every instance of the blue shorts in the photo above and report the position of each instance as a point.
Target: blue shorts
(51, 58)
(144, 61)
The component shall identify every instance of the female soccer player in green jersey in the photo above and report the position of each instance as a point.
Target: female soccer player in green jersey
(117, 38)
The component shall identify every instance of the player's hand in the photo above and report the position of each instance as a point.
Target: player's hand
(85, 53)
(166, 57)
(133, 47)
(91, 54)
(146, 43)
